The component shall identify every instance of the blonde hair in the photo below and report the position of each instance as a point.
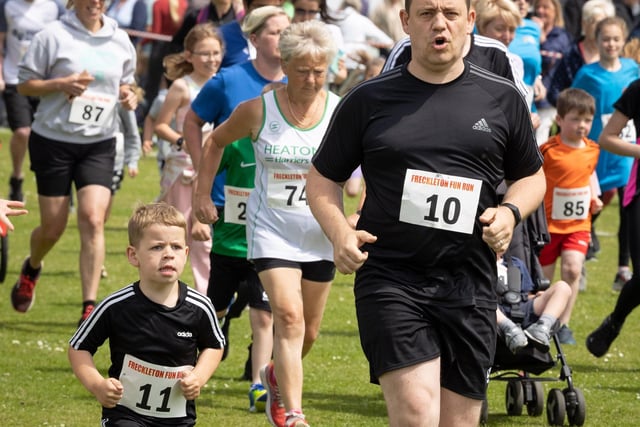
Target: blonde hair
(559, 19)
(308, 38)
(632, 49)
(153, 213)
(254, 22)
(176, 64)
(612, 21)
(595, 7)
(489, 10)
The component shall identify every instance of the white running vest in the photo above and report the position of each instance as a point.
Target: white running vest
(279, 221)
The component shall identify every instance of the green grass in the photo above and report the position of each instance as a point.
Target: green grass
(37, 387)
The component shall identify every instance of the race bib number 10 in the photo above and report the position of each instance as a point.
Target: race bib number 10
(440, 201)
(92, 108)
(151, 389)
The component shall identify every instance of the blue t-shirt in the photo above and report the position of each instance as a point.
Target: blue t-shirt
(236, 49)
(526, 44)
(606, 87)
(219, 96)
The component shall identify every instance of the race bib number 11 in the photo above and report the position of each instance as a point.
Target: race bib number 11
(440, 201)
(151, 389)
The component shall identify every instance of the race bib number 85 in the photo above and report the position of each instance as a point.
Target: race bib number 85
(440, 201)
(151, 389)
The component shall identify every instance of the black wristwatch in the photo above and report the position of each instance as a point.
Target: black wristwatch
(179, 143)
(514, 210)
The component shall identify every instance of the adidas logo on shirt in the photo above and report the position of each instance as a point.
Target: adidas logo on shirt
(482, 125)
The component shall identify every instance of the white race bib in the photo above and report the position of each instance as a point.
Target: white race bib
(571, 203)
(235, 204)
(440, 201)
(628, 132)
(151, 389)
(286, 189)
(92, 108)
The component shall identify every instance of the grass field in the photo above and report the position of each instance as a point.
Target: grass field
(37, 387)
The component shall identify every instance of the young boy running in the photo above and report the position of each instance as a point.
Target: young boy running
(164, 339)
(571, 198)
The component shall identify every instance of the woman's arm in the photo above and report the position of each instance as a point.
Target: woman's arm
(177, 96)
(610, 137)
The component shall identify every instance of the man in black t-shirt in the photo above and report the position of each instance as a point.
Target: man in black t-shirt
(435, 138)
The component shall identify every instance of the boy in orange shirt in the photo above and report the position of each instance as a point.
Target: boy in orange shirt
(570, 160)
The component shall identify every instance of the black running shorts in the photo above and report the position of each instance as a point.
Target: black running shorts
(58, 164)
(227, 274)
(315, 271)
(20, 108)
(400, 327)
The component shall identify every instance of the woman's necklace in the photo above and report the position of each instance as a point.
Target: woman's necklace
(302, 121)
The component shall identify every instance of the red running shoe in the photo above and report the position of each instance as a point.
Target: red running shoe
(23, 293)
(274, 408)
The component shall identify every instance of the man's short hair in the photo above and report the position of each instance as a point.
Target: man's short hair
(407, 4)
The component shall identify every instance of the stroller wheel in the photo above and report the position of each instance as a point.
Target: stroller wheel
(555, 407)
(535, 406)
(576, 406)
(514, 397)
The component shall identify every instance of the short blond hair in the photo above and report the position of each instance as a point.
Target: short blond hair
(254, 22)
(308, 38)
(489, 10)
(147, 215)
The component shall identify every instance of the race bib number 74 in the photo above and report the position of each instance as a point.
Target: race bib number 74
(440, 201)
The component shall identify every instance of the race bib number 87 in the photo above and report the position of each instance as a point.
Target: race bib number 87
(440, 201)
(151, 389)
(92, 108)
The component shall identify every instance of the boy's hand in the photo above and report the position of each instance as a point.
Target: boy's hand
(190, 385)
(109, 392)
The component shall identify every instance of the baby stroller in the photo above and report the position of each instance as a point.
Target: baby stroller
(521, 371)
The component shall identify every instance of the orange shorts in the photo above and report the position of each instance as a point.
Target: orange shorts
(578, 241)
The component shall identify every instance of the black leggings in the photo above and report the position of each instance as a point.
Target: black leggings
(623, 231)
(629, 297)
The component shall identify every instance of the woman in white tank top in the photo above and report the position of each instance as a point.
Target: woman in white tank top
(189, 70)
(293, 257)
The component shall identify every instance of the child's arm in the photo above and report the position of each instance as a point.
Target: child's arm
(108, 391)
(193, 381)
(147, 134)
(132, 143)
(596, 203)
